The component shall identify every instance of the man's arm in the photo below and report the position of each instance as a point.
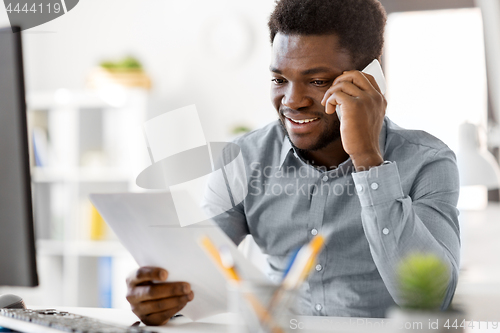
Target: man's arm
(425, 221)
(226, 191)
(233, 221)
(395, 225)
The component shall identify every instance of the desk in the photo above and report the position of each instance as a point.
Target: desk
(222, 323)
(217, 324)
(478, 289)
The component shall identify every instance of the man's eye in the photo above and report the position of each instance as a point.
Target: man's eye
(319, 82)
(278, 81)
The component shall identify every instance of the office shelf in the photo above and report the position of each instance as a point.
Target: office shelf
(80, 248)
(82, 142)
(54, 175)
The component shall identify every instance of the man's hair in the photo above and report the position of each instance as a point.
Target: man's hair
(359, 24)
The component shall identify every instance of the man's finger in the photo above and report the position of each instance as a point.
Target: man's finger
(355, 77)
(160, 318)
(164, 304)
(338, 98)
(158, 291)
(343, 86)
(373, 82)
(147, 274)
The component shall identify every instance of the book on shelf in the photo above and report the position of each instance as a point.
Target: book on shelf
(40, 147)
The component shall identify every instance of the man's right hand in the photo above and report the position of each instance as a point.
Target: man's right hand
(155, 303)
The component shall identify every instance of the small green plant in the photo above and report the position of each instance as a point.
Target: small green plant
(127, 63)
(423, 280)
(241, 129)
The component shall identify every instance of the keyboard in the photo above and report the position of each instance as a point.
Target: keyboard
(50, 320)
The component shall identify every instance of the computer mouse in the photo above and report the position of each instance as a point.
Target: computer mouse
(9, 301)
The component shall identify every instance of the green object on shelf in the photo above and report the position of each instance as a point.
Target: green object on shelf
(241, 129)
(423, 280)
(127, 63)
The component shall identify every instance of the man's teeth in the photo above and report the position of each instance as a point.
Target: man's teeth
(303, 121)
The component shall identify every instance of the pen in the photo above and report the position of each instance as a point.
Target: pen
(306, 257)
(290, 263)
(300, 267)
(232, 275)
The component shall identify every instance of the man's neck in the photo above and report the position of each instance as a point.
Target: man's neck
(328, 157)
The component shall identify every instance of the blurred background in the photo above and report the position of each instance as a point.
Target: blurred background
(95, 74)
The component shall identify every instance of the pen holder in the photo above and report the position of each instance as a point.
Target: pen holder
(252, 301)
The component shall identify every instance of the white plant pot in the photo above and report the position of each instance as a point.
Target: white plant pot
(406, 320)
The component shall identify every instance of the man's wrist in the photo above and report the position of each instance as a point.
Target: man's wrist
(365, 162)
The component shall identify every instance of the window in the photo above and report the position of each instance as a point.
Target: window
(435, 70)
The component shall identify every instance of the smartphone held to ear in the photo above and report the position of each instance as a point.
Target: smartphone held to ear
(375, 70)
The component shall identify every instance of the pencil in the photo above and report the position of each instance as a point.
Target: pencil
(301, 267)
(232, 275)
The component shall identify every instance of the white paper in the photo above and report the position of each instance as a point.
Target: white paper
(174, 132)
(148, 226)
(188, 199)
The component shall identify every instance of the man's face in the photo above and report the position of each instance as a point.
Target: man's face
(303, 68)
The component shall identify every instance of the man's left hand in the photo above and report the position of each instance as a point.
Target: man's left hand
(363, 110)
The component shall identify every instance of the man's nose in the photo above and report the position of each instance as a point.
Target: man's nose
(295, 98)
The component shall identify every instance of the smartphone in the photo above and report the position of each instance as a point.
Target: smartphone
(375, 70)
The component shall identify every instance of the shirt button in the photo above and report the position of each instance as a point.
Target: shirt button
(319, 267)
(385, 231)
(359, 188)
(325, 178)
(318, 307)
(374, 186)
(314, 232)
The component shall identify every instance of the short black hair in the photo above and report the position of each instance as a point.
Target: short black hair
(359, 24)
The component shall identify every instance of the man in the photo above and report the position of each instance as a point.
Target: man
(385, 191)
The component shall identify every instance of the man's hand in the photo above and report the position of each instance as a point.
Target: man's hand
(363, 109)
(156, 303)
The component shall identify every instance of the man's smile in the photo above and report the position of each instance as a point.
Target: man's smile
(300, 124)
(302, 121)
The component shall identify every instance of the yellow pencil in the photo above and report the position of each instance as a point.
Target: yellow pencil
(214, 253)
(232, 275)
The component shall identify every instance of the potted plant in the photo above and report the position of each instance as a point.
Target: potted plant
(423, 280)
(127, 72)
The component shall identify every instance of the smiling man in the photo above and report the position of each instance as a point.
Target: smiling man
(383, 190)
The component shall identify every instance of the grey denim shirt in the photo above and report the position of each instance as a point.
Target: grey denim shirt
(378, 216)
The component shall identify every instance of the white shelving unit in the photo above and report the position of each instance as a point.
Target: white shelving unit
(92, 143)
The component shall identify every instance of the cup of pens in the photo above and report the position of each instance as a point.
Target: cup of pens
(266, 307)
(258, 308)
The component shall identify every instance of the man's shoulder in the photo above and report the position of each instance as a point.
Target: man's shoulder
(401, 138)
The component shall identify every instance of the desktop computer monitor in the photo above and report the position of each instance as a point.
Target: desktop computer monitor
(17, 240)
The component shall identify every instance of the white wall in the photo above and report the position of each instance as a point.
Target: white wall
(171, 38)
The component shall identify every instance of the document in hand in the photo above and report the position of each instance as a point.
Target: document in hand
(148, 227)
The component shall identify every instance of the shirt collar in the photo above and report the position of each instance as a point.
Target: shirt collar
(287, 147)
(285, 150)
